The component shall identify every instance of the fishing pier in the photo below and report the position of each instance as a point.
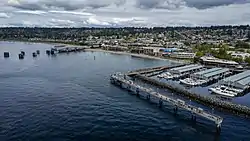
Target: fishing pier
(123, 81)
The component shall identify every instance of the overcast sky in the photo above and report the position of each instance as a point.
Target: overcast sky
(106, 13)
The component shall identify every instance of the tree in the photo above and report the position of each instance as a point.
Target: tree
(187, 43)
(241, 44)
(247, 59)
(199, 54)
(238, 59)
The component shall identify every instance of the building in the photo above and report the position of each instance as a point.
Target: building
(213, 73)
(209, 60)
(242, 55)
(114, 48)
(241, 80)
(186, 69)
(182, 55)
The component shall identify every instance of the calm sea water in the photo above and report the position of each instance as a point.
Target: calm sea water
(69, 97)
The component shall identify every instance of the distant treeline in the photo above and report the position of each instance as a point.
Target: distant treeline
(138, 28)
(80, 34)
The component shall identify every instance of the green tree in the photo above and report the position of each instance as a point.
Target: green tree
(199, 54)
(238, 59)
(247, 60)
(187, 43)
(241, 44)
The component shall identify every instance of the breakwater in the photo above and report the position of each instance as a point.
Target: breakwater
(209, 101)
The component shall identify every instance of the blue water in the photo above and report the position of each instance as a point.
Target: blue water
(69, 97)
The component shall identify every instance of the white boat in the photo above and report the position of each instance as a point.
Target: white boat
(223, 90)
(232, 89)
(193, 82)
(166, 75)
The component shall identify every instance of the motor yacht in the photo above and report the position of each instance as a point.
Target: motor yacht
(192, 82)
(223, 90)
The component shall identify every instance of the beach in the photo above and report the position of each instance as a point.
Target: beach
(137, 55)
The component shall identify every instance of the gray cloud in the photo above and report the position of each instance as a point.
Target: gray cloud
(159, 4)
(204, 4)
(4, 15)
(106, 13)
(62, 4)
(174, 4)
(70, 5)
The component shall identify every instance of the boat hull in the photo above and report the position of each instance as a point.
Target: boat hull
(213, 90)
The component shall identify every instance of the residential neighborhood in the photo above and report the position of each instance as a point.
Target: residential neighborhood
(222, 42)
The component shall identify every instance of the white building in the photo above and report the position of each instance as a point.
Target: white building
(209, 60)
(240, 55)
(182, 55)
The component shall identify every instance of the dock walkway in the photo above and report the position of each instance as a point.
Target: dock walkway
(177, 103)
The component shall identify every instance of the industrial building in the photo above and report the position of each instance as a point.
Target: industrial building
(182, 55)
(208, 60)
(240, 81)
(181, 71)
(186, 69)
(213, 73)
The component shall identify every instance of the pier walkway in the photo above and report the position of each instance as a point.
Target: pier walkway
(121, 80)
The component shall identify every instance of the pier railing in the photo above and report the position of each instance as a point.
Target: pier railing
(177, 103)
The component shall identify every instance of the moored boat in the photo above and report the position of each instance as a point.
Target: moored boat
(192, 82)
(225, 91)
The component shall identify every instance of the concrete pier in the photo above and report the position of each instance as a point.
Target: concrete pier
(70, 49)
(118, 79)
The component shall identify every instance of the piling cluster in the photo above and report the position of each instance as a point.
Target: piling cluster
(22, 54)
(6, 54)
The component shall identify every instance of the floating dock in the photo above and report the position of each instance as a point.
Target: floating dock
(120, 80)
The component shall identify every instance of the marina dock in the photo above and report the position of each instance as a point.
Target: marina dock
(146, 76)
(206, 76)
(120, 80)
(152, 70)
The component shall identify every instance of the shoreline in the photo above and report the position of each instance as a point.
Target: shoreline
(136, 55)
(101, 50)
